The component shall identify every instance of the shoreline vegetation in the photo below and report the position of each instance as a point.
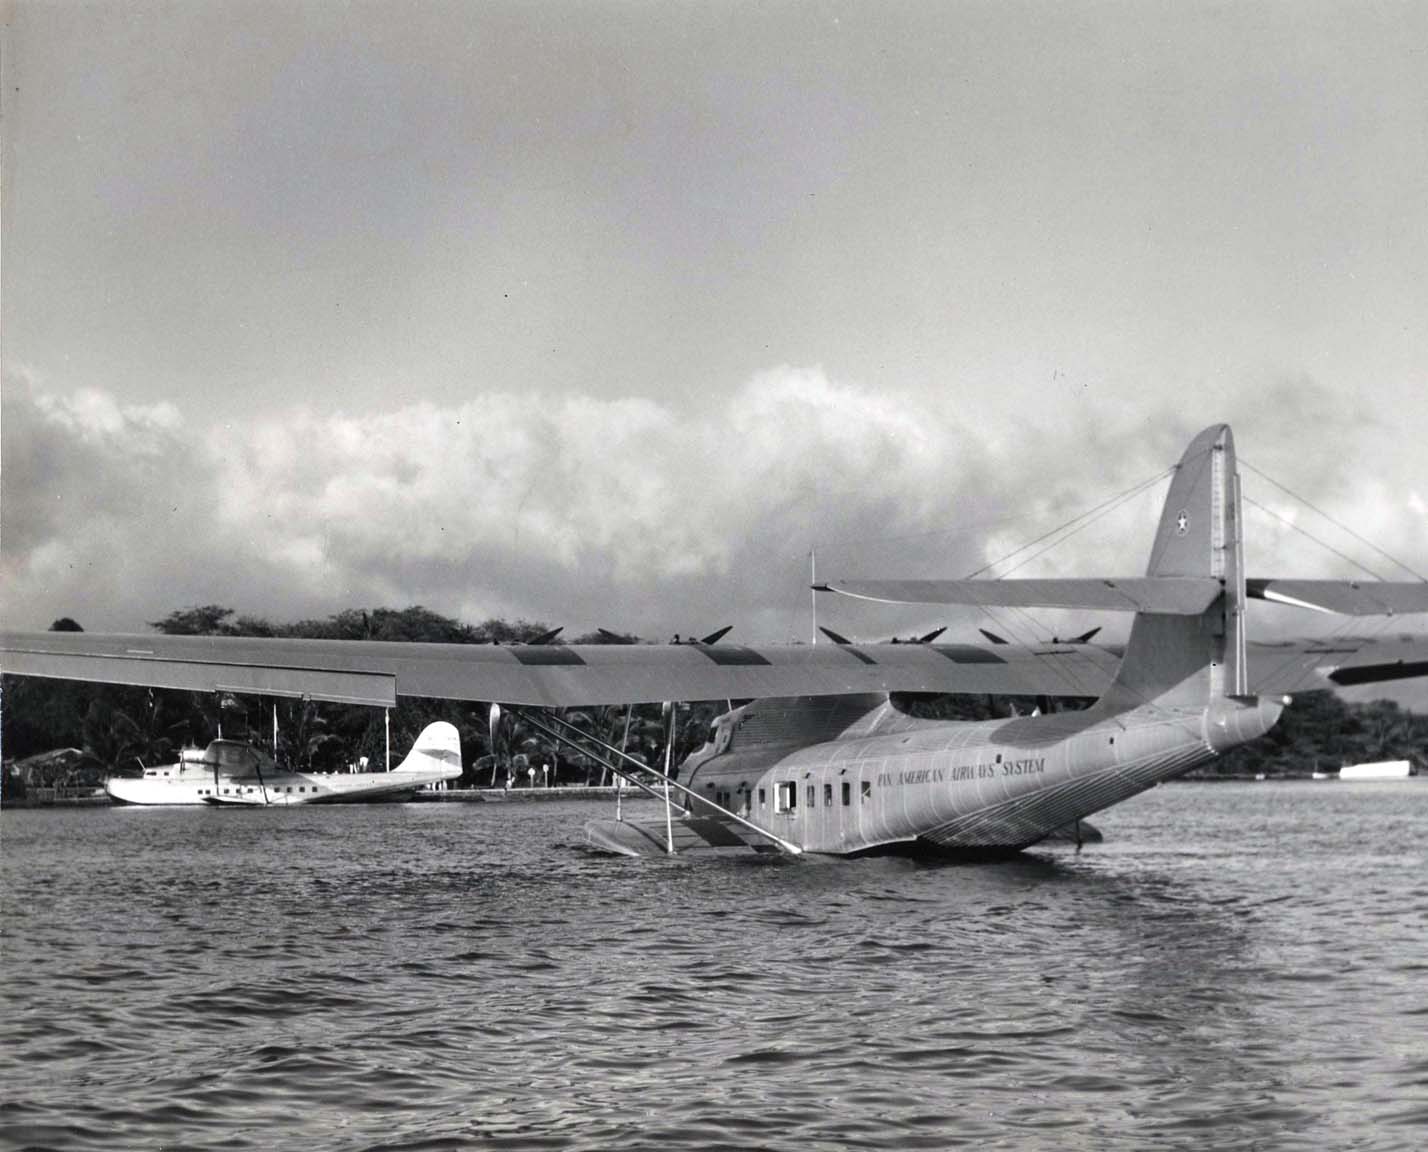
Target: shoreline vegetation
(60, 734)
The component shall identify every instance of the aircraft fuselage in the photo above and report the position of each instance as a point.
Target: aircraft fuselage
(892, 779)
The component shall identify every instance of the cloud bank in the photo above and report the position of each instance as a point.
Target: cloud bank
(630, 513)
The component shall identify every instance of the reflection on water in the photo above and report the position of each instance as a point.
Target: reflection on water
(1237, 966)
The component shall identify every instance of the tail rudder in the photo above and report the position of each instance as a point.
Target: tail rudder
(437, 749)
(1189, 660)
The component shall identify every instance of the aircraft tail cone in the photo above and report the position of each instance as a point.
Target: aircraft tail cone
(1230, 722)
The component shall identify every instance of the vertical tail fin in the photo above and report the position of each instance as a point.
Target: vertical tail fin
(1189, 660)
(437, 749)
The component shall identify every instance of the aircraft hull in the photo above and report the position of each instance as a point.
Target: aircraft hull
(194, 788)
(965, 787)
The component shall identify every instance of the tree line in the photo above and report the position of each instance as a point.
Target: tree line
(125, 728)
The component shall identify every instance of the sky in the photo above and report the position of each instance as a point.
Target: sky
(609, 313)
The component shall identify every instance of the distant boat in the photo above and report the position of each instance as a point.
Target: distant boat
(1380, 770)
(1321, 776)
(230, 772)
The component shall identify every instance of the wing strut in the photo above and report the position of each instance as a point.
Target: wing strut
(671, 718)
(557, 729)
(604, 761)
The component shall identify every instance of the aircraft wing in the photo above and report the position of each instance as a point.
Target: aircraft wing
(1178, 595)
(1277, 667)
(376, 673)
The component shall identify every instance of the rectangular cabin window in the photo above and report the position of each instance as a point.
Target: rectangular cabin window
(828, 795)
(812, 795)
(785, 796)
(763, 803)
(867, 790)
(847, 793)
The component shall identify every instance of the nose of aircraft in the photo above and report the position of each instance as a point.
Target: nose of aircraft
(1231, 722)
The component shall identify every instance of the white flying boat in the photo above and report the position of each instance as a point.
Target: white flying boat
(231, 772)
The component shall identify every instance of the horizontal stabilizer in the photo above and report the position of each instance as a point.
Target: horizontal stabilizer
(1344, 597)
(1173, 595)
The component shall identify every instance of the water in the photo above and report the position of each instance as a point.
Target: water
(1238, 966)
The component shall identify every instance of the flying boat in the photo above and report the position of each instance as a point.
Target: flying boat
(236, 773)
(824, 757)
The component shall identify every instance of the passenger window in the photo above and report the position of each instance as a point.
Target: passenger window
(867, 790)
(786, 796)
(828, 795)
(762, 802)
(847, 793)
(812, 795)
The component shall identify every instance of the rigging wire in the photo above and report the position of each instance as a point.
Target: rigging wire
(1087, 518)
(1362, 540)
(1305, 532)
(1339, 632)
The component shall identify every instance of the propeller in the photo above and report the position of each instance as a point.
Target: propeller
(1084, 638)
(926, 638)
(712, 638)
(617, 637)
(626, 638)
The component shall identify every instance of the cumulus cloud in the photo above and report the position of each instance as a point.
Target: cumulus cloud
(628, 513)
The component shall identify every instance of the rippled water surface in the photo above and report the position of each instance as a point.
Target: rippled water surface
(1237, 966)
